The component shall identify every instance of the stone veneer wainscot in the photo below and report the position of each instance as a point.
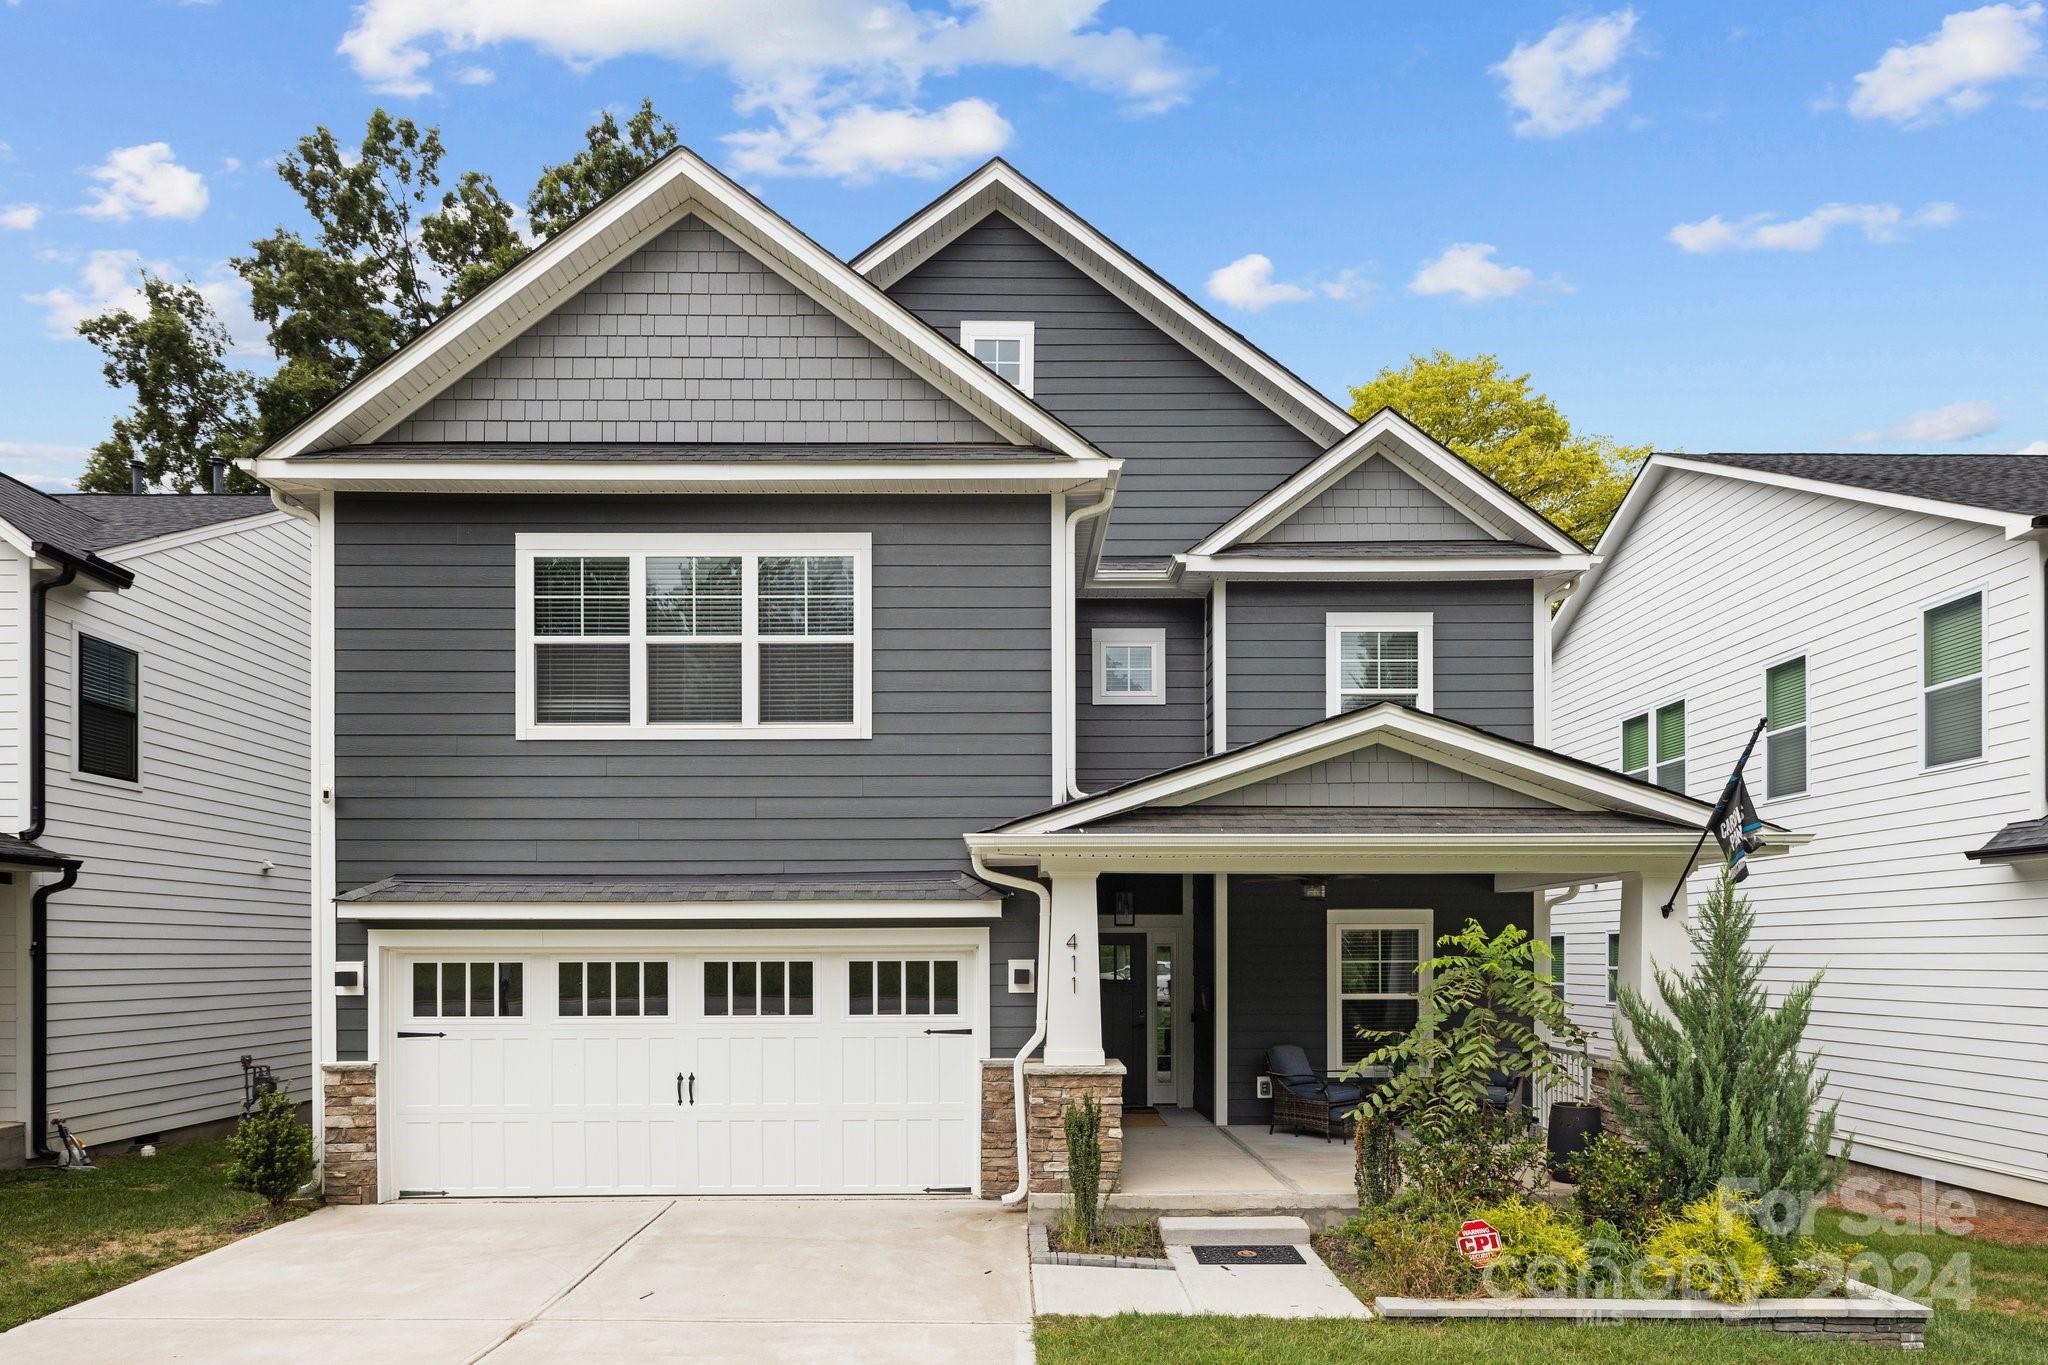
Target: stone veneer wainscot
(1047, 1092)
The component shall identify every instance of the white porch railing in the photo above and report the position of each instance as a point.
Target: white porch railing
(1575, 1086)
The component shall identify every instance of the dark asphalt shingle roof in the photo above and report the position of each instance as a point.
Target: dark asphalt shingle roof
(627, 452)
(1371, 820)
(14, 851)
(788, 887)
(1998, 483)
(1380, 549)
(2020, 839)
(82, 524)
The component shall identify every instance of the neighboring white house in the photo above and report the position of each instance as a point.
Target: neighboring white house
(174, 758)
(1887, 610)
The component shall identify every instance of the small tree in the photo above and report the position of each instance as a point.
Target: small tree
(270, 1152)
(1721, 1089)
(1084, 1170)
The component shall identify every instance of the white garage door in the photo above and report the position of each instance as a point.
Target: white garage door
(764, 1072)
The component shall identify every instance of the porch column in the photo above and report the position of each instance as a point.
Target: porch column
(1650, 939)
(1073, 1024)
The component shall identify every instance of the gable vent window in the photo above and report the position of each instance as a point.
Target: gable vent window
(1665, 730)
(1004, 347)
(1378, 658)
(689, 637)
(1785, 728)
(1952, 661)
(110, 703)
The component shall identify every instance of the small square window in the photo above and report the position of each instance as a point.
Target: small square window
(1004, 347)
(1130, 667)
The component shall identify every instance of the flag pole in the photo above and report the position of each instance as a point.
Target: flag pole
(1671, 901)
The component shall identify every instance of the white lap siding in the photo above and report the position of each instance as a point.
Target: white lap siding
(177, 952)
(1931, 1021)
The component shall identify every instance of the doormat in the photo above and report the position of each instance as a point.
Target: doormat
(1273, 1255)
(1143, 1118)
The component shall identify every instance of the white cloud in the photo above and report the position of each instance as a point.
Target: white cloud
(112, 279)
(2034, 448)
(20, 217)
(858, 144)
(1565, 80)
(144, 179)
(474, 75)
(1468, 270)
(41, 464)
(1951, 70)
(832, 79)
(1248, 283)
(1768, 232)
(1957, 422)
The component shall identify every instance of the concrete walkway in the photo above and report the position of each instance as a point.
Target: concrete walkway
(595, 1279)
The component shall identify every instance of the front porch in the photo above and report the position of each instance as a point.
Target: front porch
(1177, 1161)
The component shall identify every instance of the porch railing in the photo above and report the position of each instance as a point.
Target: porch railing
(1575, 1086)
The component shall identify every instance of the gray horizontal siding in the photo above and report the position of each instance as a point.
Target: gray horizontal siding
(1484, 662)
(1116, 744)
(1279, 959)
(691, 339)
(1197, 448)
(430, 779)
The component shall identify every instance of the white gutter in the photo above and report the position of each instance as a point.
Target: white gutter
(1071, 765)
(1038, 982)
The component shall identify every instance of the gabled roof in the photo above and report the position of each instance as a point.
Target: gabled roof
(1389, 435)
(1000, 187)
(78, 526)
(680, 184)
(2006, 492)
(1566, 783)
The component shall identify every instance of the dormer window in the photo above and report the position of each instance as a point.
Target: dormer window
(1004, 347)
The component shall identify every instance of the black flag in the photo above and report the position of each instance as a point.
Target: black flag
(1737, 827)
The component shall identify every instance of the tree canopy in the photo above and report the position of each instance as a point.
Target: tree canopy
(387, 254)
(1511, 433)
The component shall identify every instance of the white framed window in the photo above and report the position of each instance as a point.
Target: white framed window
(1785, 727)
(1004, 347)
(758, 988)
(1130, 667)
(1557, 960)
(1613, 968)
(694, 636)
(1376, 977)
(610, 990)
(1379, 656)
(468, 990)
(1952, 681)
(1653, 746)
(904, 986)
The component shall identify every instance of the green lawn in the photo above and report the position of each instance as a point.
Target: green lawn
(2008, 1321)
(66, 1237)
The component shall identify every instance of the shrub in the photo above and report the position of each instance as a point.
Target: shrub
(1620, 1184)
(270, 1152)
(1711, 1248)
(1084, 1170)
(1538, 1249)
(1376, 1161)
(1810, 1269)
(1411, 1253)
(1483, 1159)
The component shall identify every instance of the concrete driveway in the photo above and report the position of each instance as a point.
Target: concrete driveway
(606, 1279)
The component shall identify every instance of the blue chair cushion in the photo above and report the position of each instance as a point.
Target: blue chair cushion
(1344, 1094)
(1290, 1064)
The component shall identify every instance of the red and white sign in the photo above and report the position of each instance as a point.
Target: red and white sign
(1479, 1242)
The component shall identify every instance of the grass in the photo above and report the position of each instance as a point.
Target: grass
(2006, 1321)
(66, 1237)
(1113, 1237)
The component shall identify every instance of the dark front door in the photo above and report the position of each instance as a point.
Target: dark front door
(1123, 1011)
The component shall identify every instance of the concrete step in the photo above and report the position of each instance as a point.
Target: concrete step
(13, 1146)
(1246, 1232)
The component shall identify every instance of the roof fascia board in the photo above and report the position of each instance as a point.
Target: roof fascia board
(716, 198)
(442, 912)
(1446, 566)
(914, 241)
(1315, 853)
(1354, 449)
(486, 475)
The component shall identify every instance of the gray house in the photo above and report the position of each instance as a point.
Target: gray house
(767, 707)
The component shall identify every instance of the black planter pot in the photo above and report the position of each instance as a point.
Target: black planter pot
(1572, 1126)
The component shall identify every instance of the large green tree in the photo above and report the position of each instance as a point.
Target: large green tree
(1512, 433)
(611, 156)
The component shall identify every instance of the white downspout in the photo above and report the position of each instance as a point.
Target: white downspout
(1070, 773)
(1036, 888)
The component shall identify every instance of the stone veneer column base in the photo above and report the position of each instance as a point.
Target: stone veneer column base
(1047, 1092)
(348, 1168)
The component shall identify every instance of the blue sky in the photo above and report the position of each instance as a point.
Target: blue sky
(1711, 227)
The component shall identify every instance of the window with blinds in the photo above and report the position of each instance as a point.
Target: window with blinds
(1785, 728)
(1653, 746)
(1378, 985)
(1952, 679)
(688, 637)
(109, 710)
(1635, 748)
(1378, 658)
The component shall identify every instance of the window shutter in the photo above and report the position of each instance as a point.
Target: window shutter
(1955, 640)
(1635, 744)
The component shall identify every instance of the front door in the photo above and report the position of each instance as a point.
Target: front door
(1124, 981)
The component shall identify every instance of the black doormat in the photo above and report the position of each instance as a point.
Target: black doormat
(1279, 1255)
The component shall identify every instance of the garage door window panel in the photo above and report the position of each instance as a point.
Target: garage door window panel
(468, 990)
(755, 989)
(923, 986)
(609, 990)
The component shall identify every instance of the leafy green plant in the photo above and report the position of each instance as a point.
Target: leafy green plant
(1620, 1184)
(1489, 1008)
(1376, 1161)
(1410, 1252)
(1479, 1160)
(270, 1152)
(1538, 1248)
(1724, 1092)
(1812, 1269)
(1711, 1248)
(1083, 1218)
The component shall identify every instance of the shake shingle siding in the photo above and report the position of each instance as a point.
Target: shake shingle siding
(691, 339)
(431, 780)
(1484, 660)
(1197, 448)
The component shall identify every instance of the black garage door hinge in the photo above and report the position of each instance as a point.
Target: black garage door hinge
(947, 1189)
(403, 1034)
(423, 1194)
(930, 1031)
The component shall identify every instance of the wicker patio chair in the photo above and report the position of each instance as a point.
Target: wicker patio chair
(1306, 1100)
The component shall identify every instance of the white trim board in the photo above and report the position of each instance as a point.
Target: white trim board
(663, 912)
